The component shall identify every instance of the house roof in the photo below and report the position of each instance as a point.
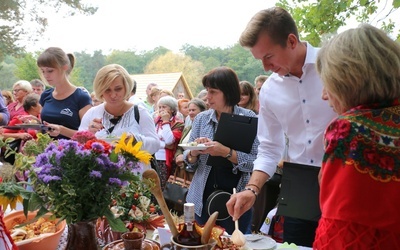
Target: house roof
(174, 82)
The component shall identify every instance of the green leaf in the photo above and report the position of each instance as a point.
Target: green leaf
(396, 3)
(116, 224)
(113, 157)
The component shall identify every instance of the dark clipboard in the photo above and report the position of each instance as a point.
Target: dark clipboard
(299, 195)
(235, 131)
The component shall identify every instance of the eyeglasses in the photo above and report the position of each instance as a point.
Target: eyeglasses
(16, 90)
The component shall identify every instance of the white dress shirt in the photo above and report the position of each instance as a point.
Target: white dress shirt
(294, 106)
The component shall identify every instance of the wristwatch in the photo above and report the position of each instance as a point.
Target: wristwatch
(229, 155)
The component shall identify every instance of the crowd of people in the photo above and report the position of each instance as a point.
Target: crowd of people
(335, 107)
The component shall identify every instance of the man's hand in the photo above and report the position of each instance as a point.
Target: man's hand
(239, 203)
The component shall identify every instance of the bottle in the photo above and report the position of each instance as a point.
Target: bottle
(188, 235)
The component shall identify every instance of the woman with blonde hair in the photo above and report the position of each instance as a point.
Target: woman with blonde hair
(64, 104)
(360, 69)
(20, 90)
(116, 115)
(7, 96)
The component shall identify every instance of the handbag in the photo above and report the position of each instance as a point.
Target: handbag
(217, 202)
(175, 192)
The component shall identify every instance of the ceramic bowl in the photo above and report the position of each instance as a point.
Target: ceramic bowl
(49, 242)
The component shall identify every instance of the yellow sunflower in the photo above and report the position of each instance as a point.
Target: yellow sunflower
(133, 149)
(12, 201)
(10, 194)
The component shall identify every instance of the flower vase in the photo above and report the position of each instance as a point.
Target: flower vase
(81, 236)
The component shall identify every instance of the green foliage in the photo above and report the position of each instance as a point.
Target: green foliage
(7, 76)
(14, 13)
(318, 19)
(171, 62)
(26, 68)
(87, 66)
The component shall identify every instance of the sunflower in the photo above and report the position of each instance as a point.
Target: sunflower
(10, 194)
(131, 148)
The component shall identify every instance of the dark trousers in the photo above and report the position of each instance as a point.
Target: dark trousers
(299, 232)
(266, 201)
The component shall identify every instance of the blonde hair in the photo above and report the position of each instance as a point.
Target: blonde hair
(167, 92)
(106, 75)
(23, 84)
(360, 66)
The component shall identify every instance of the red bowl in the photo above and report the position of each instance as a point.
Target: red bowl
(45, 243)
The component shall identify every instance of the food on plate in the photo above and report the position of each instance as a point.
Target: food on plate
(32, 121)
(32, 230)
(195, 144)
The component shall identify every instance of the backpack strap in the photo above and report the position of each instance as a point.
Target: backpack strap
(137, 115)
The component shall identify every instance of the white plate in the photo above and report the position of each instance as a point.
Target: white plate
(110, 139)
(198, 147)
(259, 242)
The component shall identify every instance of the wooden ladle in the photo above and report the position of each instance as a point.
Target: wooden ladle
(207, 230)
(237, 237)
(151, 174)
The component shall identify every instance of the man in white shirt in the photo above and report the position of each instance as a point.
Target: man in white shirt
(290, 103)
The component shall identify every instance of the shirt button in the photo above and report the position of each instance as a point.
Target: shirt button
(304, 100)
(301, 81)
(309, 141)
(312, 161)
(308, 121)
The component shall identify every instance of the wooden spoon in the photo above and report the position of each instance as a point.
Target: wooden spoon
(156, 191)
(207, 230)
(237, 237)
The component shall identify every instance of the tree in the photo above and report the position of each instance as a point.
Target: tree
(14, 13)
(245, 65)
(133, 63)
(26, 68)
(316, 19)
(87, 66)
(7, 75)
(192, 70)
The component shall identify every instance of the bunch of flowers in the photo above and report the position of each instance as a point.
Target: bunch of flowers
(76, 180)
(134, 206)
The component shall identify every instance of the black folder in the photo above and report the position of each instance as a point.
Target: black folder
(235, 131)
(299, 195)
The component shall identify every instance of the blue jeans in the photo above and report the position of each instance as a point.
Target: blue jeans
(299, 232)
(229, 224)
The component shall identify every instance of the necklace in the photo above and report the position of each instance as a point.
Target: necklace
(114, 121)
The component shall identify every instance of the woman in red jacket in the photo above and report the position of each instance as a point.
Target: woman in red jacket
(360, 174)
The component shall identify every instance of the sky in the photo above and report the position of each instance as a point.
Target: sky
(142, 25)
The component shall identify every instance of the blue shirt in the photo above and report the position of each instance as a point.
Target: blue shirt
(64, 112)
(4, 112)
(204, 125)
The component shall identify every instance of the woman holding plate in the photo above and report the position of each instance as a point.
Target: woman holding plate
(223, 94)
(116, 115)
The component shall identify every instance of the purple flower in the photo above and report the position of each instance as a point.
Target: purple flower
(96, 174)
(44, 169)
(48, 178)
(115, 181)
(97, 146)
(41, 160)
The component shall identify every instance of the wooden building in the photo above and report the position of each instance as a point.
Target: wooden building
(174, 82)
